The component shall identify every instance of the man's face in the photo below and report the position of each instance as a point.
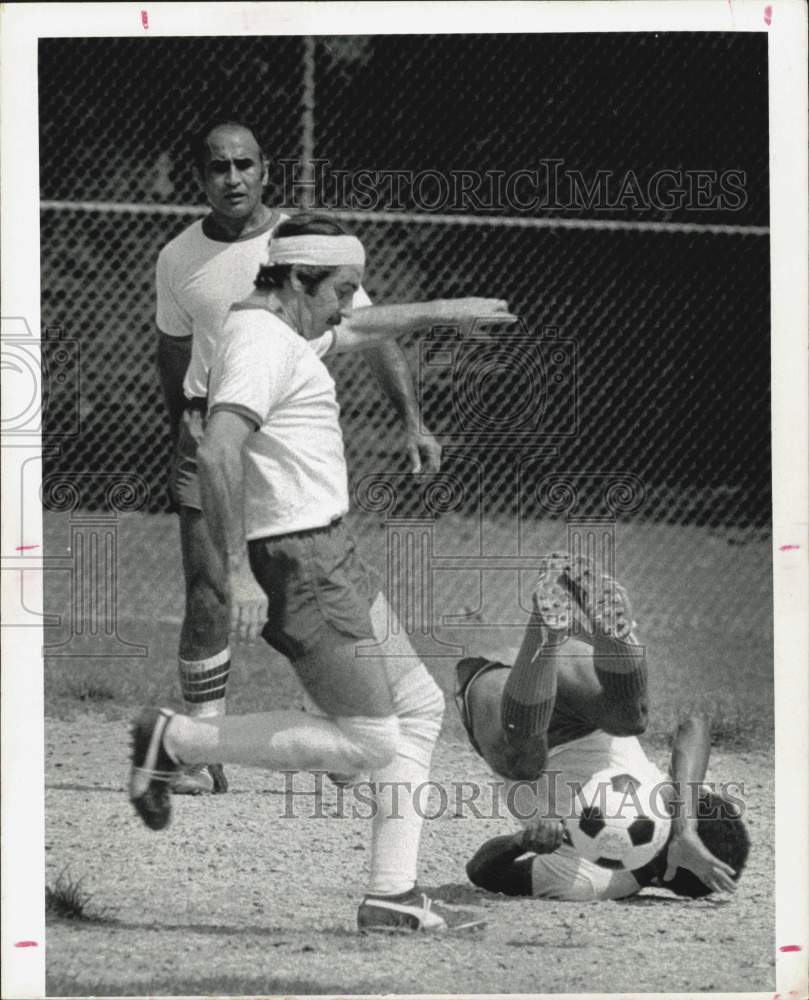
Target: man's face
(234, 173)
(330, 302)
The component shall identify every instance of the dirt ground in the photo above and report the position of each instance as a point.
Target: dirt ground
(236, 898)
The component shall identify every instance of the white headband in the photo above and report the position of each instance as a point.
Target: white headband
(320, 251)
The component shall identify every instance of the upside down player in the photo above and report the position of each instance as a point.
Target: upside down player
(570, 708)
(200, 274)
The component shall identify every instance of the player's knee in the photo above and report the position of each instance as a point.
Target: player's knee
(417, 695)
(375, 741)
(518, 758)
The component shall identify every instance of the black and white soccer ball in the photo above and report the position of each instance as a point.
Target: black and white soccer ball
(618, 822)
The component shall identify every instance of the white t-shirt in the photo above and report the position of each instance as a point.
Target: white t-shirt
(198, 279)
(294, 465)
(565, 874)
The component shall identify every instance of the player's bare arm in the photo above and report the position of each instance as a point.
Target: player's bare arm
(503, 864)
(689, 764)
(369, 325)
(173, 358)
(389, 365)
(222, 491)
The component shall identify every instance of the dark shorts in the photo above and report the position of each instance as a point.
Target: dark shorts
(183, 477)
(315, 584)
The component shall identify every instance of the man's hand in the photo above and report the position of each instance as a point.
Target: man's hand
(248, 603)
(423, 451)
(686, 850)
(465, 312)
(543, 836)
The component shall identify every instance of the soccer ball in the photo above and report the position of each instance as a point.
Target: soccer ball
(614, 824)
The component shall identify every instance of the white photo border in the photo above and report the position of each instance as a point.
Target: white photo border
(785, 21)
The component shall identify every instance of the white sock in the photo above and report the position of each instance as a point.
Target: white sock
(204, 682)
(284, 740)
(399, 818)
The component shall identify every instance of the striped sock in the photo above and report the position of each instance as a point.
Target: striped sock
(203, 683)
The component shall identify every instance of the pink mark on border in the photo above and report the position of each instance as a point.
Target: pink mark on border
(768, 15)
(144, 18)
(26, 944)
(26, 548)
(789, 548)
(790, 947)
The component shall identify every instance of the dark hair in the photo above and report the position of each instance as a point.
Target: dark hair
(273, 276)
(198, 141)
(720, 828)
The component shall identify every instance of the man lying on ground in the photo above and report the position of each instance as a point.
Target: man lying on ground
(572, 705)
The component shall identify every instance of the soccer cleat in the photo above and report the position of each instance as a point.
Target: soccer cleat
(201, 779)
(414, 911)
(604, 606)
(152, 768)
(554, 605)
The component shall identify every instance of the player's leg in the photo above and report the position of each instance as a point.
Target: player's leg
(315, 618)
(364, 739)
(204, 634)
(164, 743)
(619, 660)
(359, 682)
(204, 650)
(529, 694)
(393, 900)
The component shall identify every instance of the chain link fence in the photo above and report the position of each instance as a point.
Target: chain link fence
(613, 188)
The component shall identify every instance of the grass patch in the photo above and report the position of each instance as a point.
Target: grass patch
(67, 899)
(736, 726)
(88, 689)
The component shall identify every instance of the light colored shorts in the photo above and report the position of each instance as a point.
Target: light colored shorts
(567, 875)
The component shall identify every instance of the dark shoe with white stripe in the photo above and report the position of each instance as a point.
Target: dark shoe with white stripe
(152, 768)
(413, 911)
(201, 779)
